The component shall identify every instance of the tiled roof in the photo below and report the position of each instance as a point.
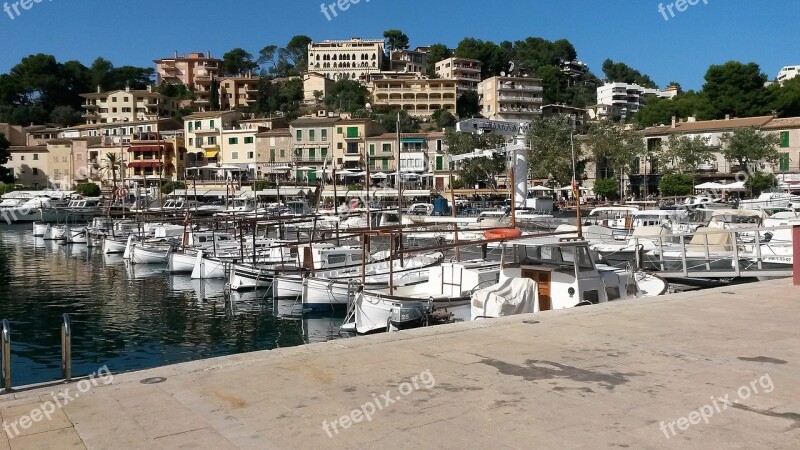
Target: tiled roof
(787, 122)
(709, 125)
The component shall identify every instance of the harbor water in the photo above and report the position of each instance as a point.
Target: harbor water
(128, 317)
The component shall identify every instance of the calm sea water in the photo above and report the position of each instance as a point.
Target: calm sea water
(128, 317)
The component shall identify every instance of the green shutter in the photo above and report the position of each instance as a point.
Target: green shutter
(312, 176)
(323, 152)
(784, 139)
(439, 162)
(338, 130)
(311, 154)
(248, 140)
(211, 124)
(233, 141)
(272, 155)
(310, 135)
(385, 164)
(324, 134)
(371, 149)
(352, 132)
(785, 161)
(190, 126)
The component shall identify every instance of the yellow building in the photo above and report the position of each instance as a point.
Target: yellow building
(127, 106)
(156, 157)
(515, 99)
(346, 59)
(417, 96)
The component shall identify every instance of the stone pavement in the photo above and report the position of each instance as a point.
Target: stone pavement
(719, 368)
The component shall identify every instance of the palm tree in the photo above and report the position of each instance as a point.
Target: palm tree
(112, 163)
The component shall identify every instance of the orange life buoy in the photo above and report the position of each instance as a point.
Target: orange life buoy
(354, 203)
(502, 233)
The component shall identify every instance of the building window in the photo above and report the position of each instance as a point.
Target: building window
(211, 124)
(387, 148)
(784, 139)
(250, 155)
(324, 135)
(785, 162)
(311, 154)
(36, 171)
(283, 153)
(197, 125)
(233, 141)
(439, 162)
(311, 135)
(191, 126)
(191, 141)
(234, 155)
(324, 152)
(371, 149)
(352, 132)
(338, 130)
(212, 140)
(35, 157)
(22, 157)
(248, 140)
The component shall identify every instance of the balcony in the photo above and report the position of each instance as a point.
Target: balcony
(91, 106)
(308, 158)
(519, 87)
(353, 137)
(206, 131)
(90, 115)
(521, 99)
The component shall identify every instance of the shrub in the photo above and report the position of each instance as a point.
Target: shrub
(170, 186)
(88, 190)
(606, 187)
(675, 185)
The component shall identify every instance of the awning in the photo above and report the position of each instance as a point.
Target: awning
(412, 140)
(145, 148)
(210, 153)
(138, 164)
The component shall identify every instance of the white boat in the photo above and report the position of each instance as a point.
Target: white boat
(182, 262)
(207, 268)
(617, 218)
(41, 229)
(149, 254)
(775, 198)
(113, 246)
(335, 289)
(446, 292)
(77, 236)
(57, 233)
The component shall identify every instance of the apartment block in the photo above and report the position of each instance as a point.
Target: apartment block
(350, 140)
(127, 106)
(187, 69)
(156, 157)
(514, 99)
(234, 92)
(346, 59)
(419, 97)
(312, 143)
(788, 130)
(423, 157)
(274, 153)
(626, 98)
(29, 165)
(787, 73)
(409, 61)
(578, 117)
(466, 72)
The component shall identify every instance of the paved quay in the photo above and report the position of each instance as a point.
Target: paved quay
(708, 369)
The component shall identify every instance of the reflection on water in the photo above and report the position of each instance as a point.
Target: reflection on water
(129, 316)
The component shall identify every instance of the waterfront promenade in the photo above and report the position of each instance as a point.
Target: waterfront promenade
(708, 369)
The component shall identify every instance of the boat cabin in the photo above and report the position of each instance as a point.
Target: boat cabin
(328, 256)
(565, 273)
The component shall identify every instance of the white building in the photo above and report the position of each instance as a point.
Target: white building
(346, 60)
(628, 98)
(515, 99)
(466, 72)
(787, 73)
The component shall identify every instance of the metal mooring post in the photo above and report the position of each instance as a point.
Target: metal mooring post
(5, 338)
(66, 348)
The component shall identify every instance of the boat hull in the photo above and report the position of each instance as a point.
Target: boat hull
(148, 255)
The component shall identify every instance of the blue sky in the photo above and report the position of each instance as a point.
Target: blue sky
(632, 31)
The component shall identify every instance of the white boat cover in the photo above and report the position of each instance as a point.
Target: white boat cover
(509, 297)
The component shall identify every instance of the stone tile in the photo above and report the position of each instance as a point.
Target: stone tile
(63, 439)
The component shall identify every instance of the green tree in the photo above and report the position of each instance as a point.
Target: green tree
(347, 95)
(482, 170)
(112, 164)
(170, 186)
(395, 40)
(65, 116)
(786, 98)
(214, 98)
(614, 146)
(88, 190)
(436, 53)
(686, 153)
(443, 119)
(676, 185)
(736, 89)
(296, 53)
(759, 182)
(268, 59)
(494, 58)
(237, 61)
(550, 154)
(468, 105)
(748, 148)
(388, 120)
(606, 188)
(662, 110)
(622, 73)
